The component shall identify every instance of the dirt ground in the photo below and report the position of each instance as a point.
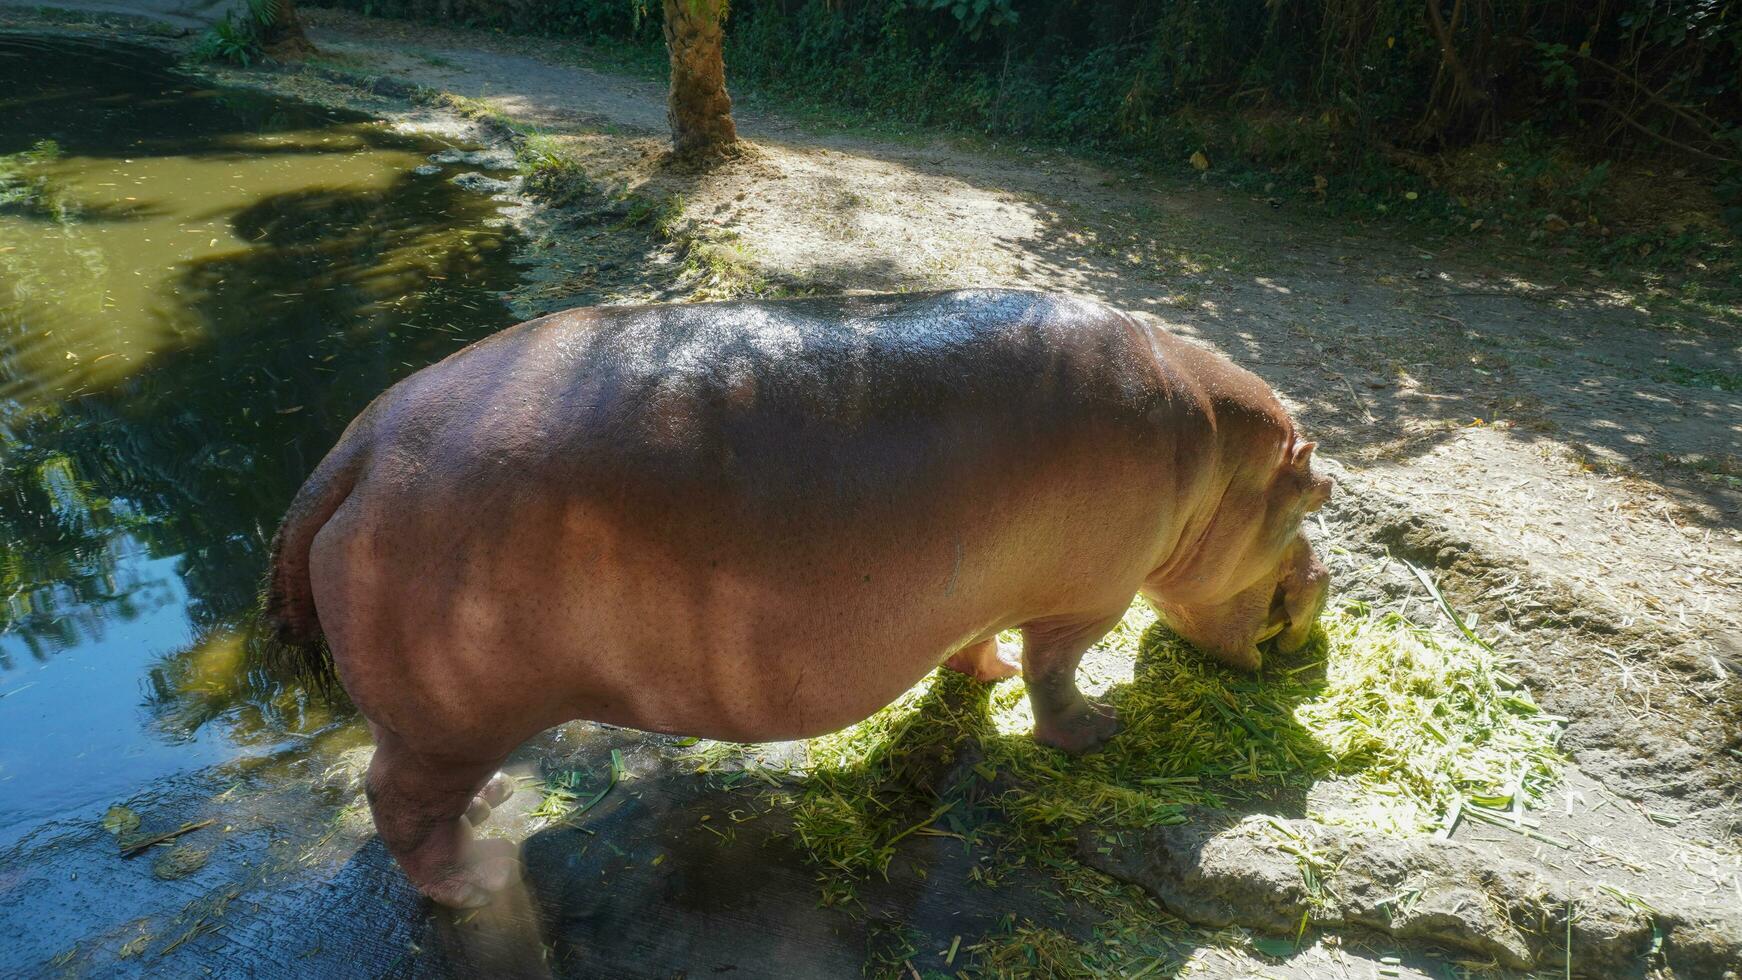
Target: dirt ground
(1564, 457)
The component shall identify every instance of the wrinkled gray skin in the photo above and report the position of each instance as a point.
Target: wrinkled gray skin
(756, 521)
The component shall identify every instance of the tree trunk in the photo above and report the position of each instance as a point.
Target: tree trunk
(699, 110)
(282, 36)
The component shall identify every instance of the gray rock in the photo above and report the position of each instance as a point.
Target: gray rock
(474, 181)
(491, 159)
(1705, 947)
(1253, 874)
(426, 170)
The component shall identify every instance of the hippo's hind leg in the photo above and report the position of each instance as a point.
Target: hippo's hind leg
(421, 803)
(984, 661)
(1063, 718)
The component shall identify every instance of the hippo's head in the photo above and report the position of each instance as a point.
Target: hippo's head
(1252, 575)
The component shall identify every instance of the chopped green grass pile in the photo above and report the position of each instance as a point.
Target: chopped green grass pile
(1424, 725)
(1407, 724)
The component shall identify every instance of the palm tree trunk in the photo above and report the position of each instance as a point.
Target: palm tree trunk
(699, 110)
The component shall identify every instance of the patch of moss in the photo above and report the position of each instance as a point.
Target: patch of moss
(179, 862)
(552, 175)
(664, 214)
(1713, 378)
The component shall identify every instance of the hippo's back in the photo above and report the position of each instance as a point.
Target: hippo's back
(862, 360)
(772, 483)
(743, 393)
(788, 407)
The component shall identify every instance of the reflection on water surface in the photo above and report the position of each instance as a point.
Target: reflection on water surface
(199, 287)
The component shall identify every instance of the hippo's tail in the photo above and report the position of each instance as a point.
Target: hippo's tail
(289, 600)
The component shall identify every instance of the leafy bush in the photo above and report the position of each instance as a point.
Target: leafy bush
(591, 19)
(238, 40)
(230, 40)
(975, 16)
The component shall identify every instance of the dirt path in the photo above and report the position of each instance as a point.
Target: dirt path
(1566, 460)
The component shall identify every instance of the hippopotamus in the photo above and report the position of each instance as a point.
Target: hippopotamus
(765, 520)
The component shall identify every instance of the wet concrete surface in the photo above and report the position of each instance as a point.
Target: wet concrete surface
(297, 885)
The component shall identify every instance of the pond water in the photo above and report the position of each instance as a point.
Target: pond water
(199, 287)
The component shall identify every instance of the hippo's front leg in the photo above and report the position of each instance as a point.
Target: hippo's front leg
(1051, 650)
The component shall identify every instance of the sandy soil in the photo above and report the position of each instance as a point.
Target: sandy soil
(1563, 457)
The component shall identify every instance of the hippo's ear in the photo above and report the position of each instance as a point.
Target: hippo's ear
(1315, 490)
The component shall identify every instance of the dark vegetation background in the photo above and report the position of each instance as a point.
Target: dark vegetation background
(1611, 124)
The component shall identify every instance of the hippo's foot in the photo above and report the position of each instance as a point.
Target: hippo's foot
(424, 806)
(467, 876)
(498, 789)
(986, 661)
(1082, 729)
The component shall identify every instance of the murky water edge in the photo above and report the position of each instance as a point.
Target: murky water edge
(199, 288)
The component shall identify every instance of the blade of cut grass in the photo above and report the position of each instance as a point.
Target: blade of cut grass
(1446, 607)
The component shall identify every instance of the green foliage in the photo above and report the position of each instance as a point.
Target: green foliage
(230, 40)
(975, 16)
(1729, 193)
(238, 41)
(1638, 72)
(552, 175)
(589, 19)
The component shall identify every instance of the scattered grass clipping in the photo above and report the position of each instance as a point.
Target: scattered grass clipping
(1408, 723)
